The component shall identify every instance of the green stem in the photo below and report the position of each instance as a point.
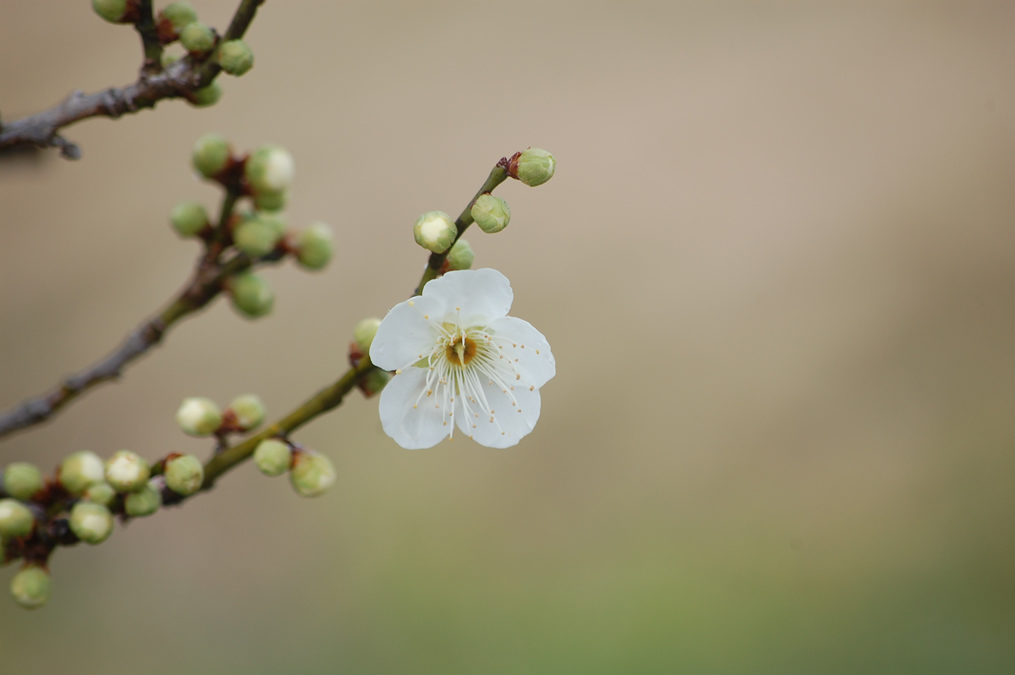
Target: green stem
(145, 26)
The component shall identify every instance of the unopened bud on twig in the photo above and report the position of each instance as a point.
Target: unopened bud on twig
(364, 332)
(270, 169)
(273, 457)
(80, 470)
(199, 416)
(100, 493)
(16, 519)
(460, 256)
(197, 38)
(31, 586)
(532, 167)
(210, 155)
(271, 201)
(126, 471)
(311, 474)
(314, 246)
(173, 19)
(257, 236)
(374, 381)
(144, 502)
(188, 219)
(91, 522)
(435, 231)
(235, 57)
(116, 11)
(22, 480)
(206, 96)
(251, 295)
(248, 411)
(184, 474)
(491, 213)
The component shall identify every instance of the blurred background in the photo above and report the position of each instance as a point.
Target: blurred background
(776, 266)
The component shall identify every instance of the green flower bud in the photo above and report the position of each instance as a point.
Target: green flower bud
(256, 236)
(276, 221)
(114, 11)
(534, 167)
(100, 493)
(249, 411)
(22, 480)
(168, 58)
(375, 381)
(16, 519)
(435, 231)
(314, 246)
(31, 586)
(91, 522)
(235, 57)
(199, 416)
(197, 38)
(80, 470)
(271, 201)
(364, 332)
(188, 219)
(273, 457)
(460, 256)
(179, 15)
(126, 471)
(211, 155)
(491, 213)
(311, 474)
(184, 474)
(270, 169)
(206, 96)
(251, 295)
(144, 502)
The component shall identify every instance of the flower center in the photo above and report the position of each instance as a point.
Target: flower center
(460, 350)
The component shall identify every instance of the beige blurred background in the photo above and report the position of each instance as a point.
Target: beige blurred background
(776, 266)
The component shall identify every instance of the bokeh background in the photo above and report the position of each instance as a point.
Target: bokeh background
(776, 266)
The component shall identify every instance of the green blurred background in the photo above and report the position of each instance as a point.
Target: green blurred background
(776, 266)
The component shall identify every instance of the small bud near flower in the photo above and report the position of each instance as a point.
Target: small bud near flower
(173, 19)
(251, 295)
(270, 169)
(81, 470)
(91, 522)
(273, 457)
(199, 416)
(16, 520)
(184, 474)
(314, 246)
(248, 411)
(532, 167)
(211, 155)
(100, 493)
(188, 219)
(491, 213)
(364, 332)
(435, 231)
(115, 11)
(22, 480)
(31, 586)
(144, 502)
(257, 236)
(311, 474)
(126, 471)
(197, 38)
(374, 382)
(461, 256)
(271, 201)
(206, 96)
(235, 57)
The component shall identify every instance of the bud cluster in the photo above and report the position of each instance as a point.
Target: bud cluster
(310, 474)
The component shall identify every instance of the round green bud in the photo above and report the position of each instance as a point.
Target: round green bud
(435, 231)
(314, 246)
(168, 58)
(211, 154)
(100, 493)
(80, 470)
(179, 15)
(491, 213)
(251, 295)
(364, 332)
(273, 457)
(188, 219)
(535, 167)
(144, 502)
(91, 522)
(270, 169)
(271, 201)
(311, 474)
(460, 256)
(114, 11)
(126, 471)
(206, 96)
(16, 519)
(197, 38)
(249, 411)
(235, 57)
(31, 586)
(184, 474)
(256, 236)
(375, 381)
(22, 480)
(199, 416)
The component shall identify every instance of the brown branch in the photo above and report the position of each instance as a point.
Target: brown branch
(175, 81)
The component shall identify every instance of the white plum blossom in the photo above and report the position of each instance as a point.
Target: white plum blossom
(460, 360)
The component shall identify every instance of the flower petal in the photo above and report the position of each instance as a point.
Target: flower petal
(406, 335)
(472, 297)
(412, 426)
(526, 347)
(510, 422)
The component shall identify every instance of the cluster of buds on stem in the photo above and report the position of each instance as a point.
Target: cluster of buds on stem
(310, 474)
